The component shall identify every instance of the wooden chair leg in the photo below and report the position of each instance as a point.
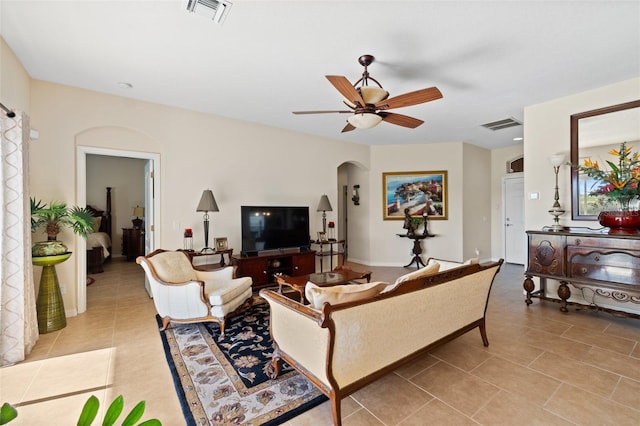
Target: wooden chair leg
(483, 333)
(165, 323)
(275, 362)
(222, 327)
(335, 410)
(275, 368)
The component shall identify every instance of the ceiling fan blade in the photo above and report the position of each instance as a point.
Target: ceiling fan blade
(348, 128)
(322, 112)
(411, 98)
(346, 89)
(400, 119)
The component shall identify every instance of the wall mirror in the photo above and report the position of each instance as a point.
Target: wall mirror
(593, 134)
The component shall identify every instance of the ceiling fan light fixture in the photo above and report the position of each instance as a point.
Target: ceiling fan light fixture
(369, 104)
(372, 94)
(364, 120)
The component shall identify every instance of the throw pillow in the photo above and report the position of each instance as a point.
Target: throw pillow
(447, 264)
(317, 296)
(430, 269)
(96, 223)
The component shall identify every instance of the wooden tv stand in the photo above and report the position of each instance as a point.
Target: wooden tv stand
(597, 264)
(262, 268)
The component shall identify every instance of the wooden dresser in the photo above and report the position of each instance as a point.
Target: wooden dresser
(595, 263)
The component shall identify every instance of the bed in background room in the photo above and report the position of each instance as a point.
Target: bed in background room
(99, 242)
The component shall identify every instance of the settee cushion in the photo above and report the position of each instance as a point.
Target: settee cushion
(317, 296)
(447, 264)
(222, 292)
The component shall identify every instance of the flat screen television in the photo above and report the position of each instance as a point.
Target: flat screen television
(274, 228)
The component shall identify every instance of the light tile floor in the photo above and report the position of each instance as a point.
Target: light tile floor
(542, 366)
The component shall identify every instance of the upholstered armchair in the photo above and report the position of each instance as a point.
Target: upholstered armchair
(182, 294)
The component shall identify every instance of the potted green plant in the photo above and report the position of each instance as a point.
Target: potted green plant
(53, 217)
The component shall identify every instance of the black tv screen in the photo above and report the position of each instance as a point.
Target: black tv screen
(273, 228)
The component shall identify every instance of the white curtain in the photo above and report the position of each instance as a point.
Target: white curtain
(18, 318)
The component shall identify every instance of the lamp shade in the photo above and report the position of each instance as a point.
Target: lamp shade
(364, 120)
(137, 211)
(207, 202)
(557, 160)
(370, 95)
(324, 205)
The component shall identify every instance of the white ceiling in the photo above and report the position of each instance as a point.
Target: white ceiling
(269, 58)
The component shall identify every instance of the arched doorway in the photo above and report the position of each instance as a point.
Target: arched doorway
(353, 219)
(115, 142)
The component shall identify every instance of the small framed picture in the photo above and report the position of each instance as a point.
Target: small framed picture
(322, 237)
(221, 243)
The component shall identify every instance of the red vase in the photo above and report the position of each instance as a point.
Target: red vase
(621, 222)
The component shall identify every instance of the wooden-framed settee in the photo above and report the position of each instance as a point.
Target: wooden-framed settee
(345, 346)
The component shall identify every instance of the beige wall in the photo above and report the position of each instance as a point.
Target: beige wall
(476, 206)
(14, 80)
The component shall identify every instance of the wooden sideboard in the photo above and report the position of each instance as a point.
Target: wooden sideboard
(595, 263)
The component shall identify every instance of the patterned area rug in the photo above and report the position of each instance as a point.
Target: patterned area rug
(225, 380)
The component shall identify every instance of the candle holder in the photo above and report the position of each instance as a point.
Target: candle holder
(332, 231)
(188, 239)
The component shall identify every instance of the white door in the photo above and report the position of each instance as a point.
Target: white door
(149, 210)
(514, 235)
(149, 207)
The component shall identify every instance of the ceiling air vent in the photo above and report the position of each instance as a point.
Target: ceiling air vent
(502, 124)
(216, 10)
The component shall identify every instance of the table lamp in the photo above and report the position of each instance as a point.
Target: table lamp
(207, 204)
(324, 206)
(137, 212)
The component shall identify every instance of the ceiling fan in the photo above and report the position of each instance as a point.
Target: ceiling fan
(369, 104)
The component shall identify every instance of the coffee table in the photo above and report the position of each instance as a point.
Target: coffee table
(322, 279)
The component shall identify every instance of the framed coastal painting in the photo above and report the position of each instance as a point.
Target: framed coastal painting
(416, 193)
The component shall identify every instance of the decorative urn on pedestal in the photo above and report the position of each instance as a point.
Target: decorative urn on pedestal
(47, 254)
(619, 188)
